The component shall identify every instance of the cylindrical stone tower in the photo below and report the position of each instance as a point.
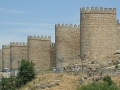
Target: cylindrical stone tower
(98, 32)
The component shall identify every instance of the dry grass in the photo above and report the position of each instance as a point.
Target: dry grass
(67, 81)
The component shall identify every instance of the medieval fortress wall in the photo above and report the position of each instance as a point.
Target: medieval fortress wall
(0, 58)
(118, 35)
(39, 51)
(18, 51)
(97, 36)
(5, 56)
(67, 38)
(52, 55)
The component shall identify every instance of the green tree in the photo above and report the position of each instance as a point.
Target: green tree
(7, 83)
(26, 73)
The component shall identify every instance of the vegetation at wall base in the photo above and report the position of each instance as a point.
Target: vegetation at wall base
(26, 73)
(98, 86)
(107, 84)
(8, 83)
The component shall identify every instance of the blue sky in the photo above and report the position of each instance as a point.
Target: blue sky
(20, 18)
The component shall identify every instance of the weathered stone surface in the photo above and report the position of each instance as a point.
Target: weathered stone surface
(67, 41)
(18, 51)
(98, 33)
(39, 51)
(5, 56)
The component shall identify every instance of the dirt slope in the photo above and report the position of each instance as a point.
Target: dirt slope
(67, 81)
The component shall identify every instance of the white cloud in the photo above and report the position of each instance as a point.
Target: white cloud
(4, 10)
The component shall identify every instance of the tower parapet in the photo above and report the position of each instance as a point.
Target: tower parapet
(97, 10)
(5, 46)
(39, 37)
(18, 44)
(65, 26)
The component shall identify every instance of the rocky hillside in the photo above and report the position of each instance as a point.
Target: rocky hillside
(53, 81)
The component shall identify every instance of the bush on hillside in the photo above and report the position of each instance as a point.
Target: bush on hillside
(98, 86)
(107, 84)
(108, 80)
(7, 83)
(26, 73)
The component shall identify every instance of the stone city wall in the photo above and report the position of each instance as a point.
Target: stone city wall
(39, 51)
(98, 33)
(18, 51)
(67, 41)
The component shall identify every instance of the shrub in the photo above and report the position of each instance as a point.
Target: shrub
(7, 83)
(107, 84)
(108, 80)
(98, 86)
(26, 73)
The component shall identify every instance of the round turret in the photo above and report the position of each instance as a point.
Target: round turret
(98, 32)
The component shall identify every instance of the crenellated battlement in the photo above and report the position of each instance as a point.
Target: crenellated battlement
(18, 44)
(5, 46)
(39, 37)
(96, 10)
(71, 26)
(118, 22)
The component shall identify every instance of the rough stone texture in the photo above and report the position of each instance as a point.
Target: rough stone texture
(52, 56)
(39, 51)
(18, 51)
(67, 41)
(118, 35)
(0, 58)
(98, 33)
(5, 56)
